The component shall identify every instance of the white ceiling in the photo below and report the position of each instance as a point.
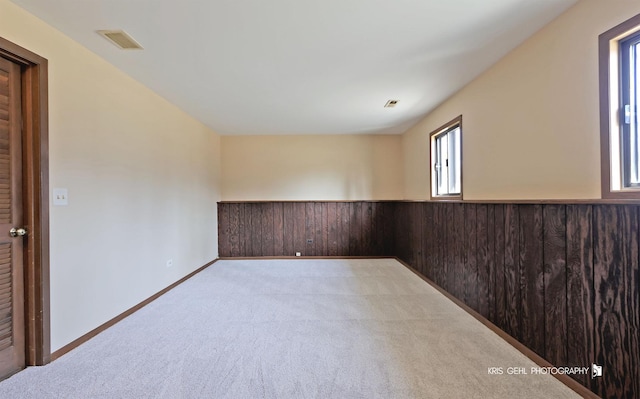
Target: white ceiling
(303, 66)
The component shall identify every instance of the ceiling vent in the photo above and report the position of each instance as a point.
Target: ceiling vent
(391, 103)
(121, 39)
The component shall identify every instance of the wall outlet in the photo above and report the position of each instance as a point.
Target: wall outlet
(298, 254)
(309, 240)
(169, 262)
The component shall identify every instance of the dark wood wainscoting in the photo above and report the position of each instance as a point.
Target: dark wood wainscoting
(362, 228)
(562, 279)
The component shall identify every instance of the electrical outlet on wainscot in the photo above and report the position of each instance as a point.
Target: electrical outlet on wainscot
(298, 254)
(169, 262)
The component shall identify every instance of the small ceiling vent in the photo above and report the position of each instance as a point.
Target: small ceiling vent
(391, 103)
(121, 39)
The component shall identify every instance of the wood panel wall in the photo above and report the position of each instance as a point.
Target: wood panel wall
(362, 228)
(562, 279)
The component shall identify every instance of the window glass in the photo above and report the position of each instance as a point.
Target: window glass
(619, 53)
(629, 74)
(446, 158)
(454, 161)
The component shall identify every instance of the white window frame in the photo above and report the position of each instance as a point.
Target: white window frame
(446, 161)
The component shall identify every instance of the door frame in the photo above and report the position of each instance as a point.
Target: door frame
(35, 166)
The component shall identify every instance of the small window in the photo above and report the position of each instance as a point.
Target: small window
(629, 73)
(619, 96)
(446, 161)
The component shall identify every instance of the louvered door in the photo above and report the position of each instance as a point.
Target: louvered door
(12, 339)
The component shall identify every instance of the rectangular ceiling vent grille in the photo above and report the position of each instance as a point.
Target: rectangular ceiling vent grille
(121, 39)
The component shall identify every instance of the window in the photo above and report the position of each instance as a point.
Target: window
(446, 161)
(619, 96)
(629, 72)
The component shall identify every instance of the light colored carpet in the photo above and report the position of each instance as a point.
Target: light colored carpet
(292, 329)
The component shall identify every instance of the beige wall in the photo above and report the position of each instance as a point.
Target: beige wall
(530, 123)
(349, 167)
(143, 180)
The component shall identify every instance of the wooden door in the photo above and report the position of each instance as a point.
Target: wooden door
(12, 328)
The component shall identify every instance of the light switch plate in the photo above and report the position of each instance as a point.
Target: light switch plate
(60, 197)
